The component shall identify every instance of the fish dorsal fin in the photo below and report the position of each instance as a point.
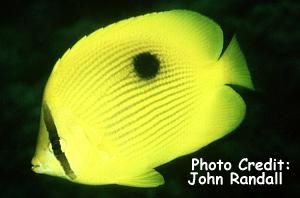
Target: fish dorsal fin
(150, 178)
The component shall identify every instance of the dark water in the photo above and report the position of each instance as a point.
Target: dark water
(34, 34)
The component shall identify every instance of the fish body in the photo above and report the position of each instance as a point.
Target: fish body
(137, 94)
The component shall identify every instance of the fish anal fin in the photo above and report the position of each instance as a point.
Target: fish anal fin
(150, 178)
(226, 111)
(219, 114)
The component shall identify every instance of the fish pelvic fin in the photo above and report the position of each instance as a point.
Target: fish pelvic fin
(147, 179)
(234, 66)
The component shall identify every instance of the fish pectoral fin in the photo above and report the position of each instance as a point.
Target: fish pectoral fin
(150, 178)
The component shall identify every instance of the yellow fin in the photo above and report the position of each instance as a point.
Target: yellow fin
(220, 113)
(235, 67)
(227, 110)
(151, 178)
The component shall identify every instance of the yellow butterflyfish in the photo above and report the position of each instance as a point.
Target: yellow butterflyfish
(137, 94)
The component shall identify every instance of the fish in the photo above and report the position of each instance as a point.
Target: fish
(137, 94)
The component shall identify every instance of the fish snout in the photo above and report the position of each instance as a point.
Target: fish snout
(37, 166)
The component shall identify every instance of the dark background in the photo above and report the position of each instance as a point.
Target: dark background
(34, 34)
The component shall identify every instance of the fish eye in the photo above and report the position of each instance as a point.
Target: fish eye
(50, 147)
(62, 144)
(57, 146)
(146, 65)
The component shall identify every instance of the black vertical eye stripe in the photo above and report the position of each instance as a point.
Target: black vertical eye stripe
(54, 140)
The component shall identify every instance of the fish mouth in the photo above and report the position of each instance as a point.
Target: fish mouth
(37, 166)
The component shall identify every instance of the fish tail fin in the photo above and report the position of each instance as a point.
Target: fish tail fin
(234, 66)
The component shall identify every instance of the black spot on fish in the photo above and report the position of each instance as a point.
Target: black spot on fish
(146, 65)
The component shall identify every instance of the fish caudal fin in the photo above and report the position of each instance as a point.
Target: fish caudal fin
(235, 67)
(150, 178)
